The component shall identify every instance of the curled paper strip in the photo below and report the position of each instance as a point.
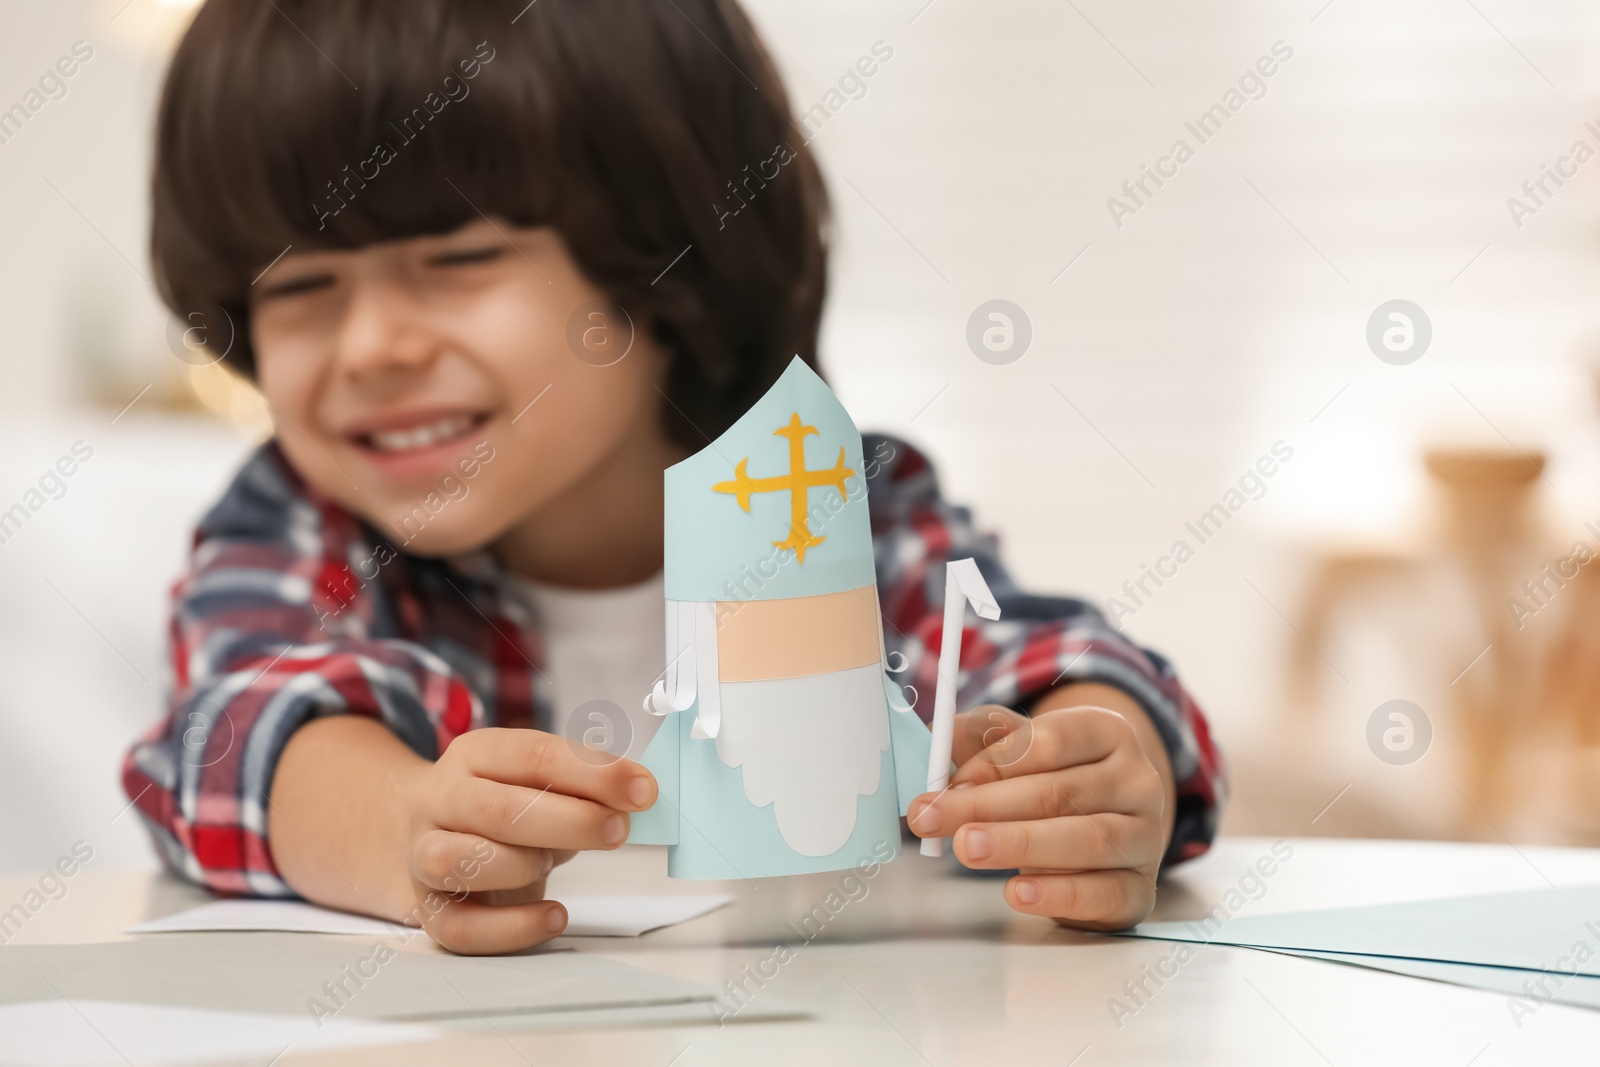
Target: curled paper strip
(675, 691)
(897, 696)
(657, 702)
(709, 689)
(691, 672)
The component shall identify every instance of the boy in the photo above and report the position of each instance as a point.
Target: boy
(471, 254)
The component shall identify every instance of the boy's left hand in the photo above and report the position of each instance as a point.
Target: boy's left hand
(1072, 797)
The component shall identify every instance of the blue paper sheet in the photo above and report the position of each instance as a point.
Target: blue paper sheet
(1529, 988)
(1556, 930)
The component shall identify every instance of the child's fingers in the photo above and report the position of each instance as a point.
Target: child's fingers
(1057, 739)
(1109, 785)
(476, 929)
(466, 863)
(975, 730)
(1103, 841)
(518, 815)
(505, 897)
(539, 760)
(1093, 900)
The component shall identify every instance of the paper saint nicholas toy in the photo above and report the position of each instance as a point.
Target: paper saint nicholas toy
(785, 747)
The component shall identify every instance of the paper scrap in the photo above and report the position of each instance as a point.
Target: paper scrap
(587, 916)
(286, 915)
(631, 916)
(92, 1033)
(326, 977)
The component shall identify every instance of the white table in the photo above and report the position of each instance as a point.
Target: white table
(927, 967)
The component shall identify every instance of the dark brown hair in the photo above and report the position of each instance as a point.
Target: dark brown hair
(634, 128)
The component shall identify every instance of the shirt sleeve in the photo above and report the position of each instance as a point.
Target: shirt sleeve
(1038, 643)
(271, 627)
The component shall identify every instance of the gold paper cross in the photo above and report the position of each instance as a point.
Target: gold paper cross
(797, 482)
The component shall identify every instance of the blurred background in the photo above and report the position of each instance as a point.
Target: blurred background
(1344, 347)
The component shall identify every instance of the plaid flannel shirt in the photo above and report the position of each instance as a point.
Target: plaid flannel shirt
(293, 608)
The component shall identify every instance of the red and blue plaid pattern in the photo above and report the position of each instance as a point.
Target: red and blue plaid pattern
(294, 609)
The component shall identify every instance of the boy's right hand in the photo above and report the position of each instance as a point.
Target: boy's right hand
(493, 815)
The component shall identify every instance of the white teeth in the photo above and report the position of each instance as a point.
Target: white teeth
(420, 436)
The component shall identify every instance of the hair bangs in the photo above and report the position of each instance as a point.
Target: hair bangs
(285, 143)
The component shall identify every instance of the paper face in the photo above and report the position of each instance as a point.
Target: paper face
(765, 639)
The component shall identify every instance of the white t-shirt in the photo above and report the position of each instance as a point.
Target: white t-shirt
(601, 645)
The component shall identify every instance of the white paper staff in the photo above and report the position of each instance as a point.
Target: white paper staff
(963, 584)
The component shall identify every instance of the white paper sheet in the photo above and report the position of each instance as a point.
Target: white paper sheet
(92, 1033)
(286, 915)
(587, 916)
(630, 916)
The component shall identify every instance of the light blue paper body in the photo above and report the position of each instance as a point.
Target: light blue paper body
(718, 551)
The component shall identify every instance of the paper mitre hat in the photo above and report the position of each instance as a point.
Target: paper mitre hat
(774, 508)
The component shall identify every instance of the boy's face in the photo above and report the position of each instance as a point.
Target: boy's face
(447, 388)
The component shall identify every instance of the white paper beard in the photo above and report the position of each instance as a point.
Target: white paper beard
(809, 746)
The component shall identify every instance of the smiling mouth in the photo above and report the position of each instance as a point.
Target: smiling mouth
(417, 438)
